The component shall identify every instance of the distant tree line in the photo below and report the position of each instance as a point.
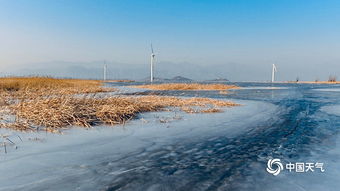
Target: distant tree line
(331, 78)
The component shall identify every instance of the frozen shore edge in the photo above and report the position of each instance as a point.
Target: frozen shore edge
(69, 161)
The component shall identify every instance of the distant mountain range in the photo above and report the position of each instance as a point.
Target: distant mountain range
(165, 70)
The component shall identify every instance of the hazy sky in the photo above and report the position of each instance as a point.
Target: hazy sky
(235, 39)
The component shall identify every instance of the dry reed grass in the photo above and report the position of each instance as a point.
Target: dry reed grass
(33, 87)
(20, 83)
(187, 86)
(46, 84)
(49, 104)
(59, 112)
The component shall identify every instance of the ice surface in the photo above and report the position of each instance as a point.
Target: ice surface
(78, 159)
(332, 109)
(313, 181)
(328, 89)
(127, 89)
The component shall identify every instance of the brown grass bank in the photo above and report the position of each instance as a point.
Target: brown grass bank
(46, 83)
(60, 112)
(31, 87)
(50, 104)
(187, 86)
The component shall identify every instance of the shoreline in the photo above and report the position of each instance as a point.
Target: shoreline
(50, 104)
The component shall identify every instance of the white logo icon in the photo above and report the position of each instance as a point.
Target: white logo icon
(274, 162)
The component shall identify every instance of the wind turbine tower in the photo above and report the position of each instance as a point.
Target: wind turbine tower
(152, 64)
(274, 70)
(105, 71)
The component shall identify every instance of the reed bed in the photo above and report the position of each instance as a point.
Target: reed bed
(20, 83)
(187, 86)
(56, 113)
(38, 86)
(50, 104)
(14, 90)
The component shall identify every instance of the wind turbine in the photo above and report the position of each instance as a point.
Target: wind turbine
(152, 64)
(274, 70)
(105, 71)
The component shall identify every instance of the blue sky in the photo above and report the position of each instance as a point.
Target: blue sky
(241, 37)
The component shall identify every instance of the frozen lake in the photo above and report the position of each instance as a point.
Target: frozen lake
(221, 151)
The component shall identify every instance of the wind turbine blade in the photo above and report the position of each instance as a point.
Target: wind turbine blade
(151, 49)
(275, 69)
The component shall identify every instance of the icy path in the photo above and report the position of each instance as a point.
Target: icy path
(92, 159)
